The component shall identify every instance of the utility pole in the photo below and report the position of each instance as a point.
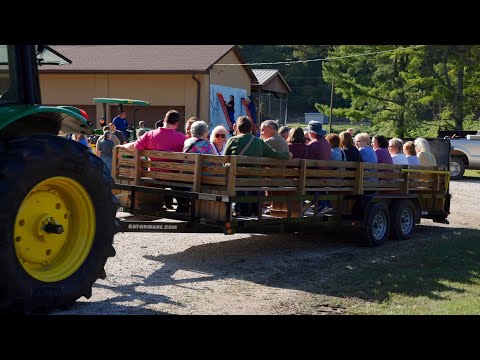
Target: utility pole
(331, 105)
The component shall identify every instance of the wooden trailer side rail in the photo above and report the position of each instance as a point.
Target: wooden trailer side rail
(228, 175)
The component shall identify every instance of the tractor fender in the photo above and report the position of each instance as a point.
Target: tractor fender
(24, 120)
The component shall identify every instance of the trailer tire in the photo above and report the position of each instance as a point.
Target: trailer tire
(457, 168)
(57, 223)
(402, 219)
(377, 223)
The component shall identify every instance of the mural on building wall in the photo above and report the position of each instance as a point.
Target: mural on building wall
(217, 116)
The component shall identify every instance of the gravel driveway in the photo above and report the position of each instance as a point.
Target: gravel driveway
(244, 274)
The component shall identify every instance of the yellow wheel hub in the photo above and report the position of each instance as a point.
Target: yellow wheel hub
(54, 229)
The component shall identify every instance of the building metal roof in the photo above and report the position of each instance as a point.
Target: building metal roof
(141, 58)
(266, 75)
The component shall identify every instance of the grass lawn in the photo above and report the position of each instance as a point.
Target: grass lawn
(442, 277)
(472, 173)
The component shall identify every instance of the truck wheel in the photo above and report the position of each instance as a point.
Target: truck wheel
(402, 219)
(457, 168)
(57, 222)
(377, 224)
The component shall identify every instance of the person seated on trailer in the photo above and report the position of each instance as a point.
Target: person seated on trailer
(188, 125)
(346, 144)
(367, 154)
(337, 152)
(269, 134)
(283, 132)
(218, 139)
(395, 147)
(246, 144)
(380, 146)
(423, 152)
(296, 143)
(166, 138)
(319, 149)
(198, 143)
(410, 153)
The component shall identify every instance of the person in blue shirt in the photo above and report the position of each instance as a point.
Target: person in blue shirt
(121, 123)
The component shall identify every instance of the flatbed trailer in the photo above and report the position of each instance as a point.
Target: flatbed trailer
(381, 200)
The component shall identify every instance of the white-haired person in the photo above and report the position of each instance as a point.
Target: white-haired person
(423, 152)
(198, 143)
(395, 147)
(218, 139)
(362, 142)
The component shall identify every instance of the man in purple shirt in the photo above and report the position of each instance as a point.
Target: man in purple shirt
(318, 148)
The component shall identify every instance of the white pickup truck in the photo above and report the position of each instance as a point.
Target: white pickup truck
(465, 155)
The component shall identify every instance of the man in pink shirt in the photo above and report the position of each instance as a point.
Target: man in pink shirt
(166, 138)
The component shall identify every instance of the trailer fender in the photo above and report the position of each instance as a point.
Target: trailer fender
(418, 210)
(360, 207)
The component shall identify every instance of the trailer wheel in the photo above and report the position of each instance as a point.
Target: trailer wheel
(457, 168)
(377, 224)
(402, 219)
(57, 222)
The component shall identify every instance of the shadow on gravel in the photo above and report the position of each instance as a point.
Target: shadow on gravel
(126, 293)
(334, 265)
(469, 180)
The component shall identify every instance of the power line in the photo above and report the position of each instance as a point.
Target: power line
(321, 59)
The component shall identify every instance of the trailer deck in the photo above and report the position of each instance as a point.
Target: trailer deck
(380, 199)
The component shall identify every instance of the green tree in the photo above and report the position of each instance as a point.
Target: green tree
(450, 75)
(304, 78)
(377, 84)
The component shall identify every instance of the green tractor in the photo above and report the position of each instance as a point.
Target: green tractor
(54, 191)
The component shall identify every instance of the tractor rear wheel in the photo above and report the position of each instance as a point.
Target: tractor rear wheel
(57, 223)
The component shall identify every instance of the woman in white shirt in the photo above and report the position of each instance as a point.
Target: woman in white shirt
(218, 138)
(395, 148)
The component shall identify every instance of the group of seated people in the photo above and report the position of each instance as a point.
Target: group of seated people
(283, 143)
(346, 147)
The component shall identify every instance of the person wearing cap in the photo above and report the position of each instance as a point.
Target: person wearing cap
(104, 150)
(318, 148)
(112, 137)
